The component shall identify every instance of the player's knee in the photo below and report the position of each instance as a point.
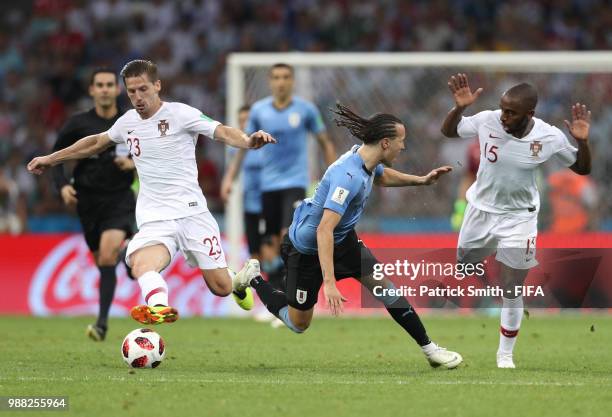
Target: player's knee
(139, 267)
(108, 258)
(301, 324)
(220, 288)
(302, 327)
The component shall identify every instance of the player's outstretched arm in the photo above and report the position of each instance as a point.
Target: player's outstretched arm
(394, 178)
(463, 95)
(325, 244)
(238, 139)
(579, 129)
(83, 148)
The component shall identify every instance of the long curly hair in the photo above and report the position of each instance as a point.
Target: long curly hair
(368, 130)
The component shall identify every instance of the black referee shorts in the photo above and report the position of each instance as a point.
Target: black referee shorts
(104, 212)
(304, 276)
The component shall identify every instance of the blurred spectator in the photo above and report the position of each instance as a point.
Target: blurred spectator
(12, 209)
(208, 176)
(573, 200)
(48, 46)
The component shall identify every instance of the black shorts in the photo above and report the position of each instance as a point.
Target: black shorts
(103, 212)
(252, 221)
(278, 208)
(304, 276)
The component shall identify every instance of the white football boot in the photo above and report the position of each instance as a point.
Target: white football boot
(439, 356)
(504, 360)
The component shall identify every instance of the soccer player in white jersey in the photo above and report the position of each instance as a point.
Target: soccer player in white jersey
(504, 201)
(171, 210)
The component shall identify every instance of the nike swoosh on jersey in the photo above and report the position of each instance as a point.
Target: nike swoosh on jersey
(494, 137)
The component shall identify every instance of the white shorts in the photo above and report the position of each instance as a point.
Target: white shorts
(197, 237)
(513, 237)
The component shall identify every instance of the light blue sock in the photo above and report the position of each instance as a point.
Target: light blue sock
(283, 314)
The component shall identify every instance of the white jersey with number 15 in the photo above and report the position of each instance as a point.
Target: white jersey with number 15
(506, 179)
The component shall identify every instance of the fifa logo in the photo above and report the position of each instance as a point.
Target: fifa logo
(163, 127)
(535, 148)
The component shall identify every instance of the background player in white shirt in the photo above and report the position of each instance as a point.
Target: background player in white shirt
(504, 201)
(171, 210)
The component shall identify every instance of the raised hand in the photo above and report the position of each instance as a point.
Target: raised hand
(259, 139)
(39, 164)
(581, 122)
(435, 174)
(459, 86)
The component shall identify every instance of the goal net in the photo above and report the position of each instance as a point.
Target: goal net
(413, 86)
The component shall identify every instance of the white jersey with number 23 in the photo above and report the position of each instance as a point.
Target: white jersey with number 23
(163, 149)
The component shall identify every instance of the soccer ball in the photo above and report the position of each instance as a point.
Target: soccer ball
(143, 348)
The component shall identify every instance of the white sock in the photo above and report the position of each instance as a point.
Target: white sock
(153, 288)
(429, 349)
(511, 316)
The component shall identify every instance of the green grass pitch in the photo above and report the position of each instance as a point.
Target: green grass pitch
(340, 367)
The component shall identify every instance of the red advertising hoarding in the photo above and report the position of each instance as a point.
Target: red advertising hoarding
(55, 274)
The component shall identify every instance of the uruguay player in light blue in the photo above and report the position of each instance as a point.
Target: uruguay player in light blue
(285, 175)
(322, 246)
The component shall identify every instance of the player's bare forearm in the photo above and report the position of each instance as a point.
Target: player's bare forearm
(238, 139)
(329, 151)
(231, 174)
(449, 126)
(582, 166)
(325, 244)
(83, 148)
(394, 178)
(235, 165)
(232, 136)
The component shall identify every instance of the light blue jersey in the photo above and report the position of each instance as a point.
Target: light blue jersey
(285, 165)
(345, 188)
(251, 181)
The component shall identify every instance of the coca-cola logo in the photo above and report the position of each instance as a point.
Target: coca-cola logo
(66, 282)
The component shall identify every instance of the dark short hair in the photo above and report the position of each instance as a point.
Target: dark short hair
(101, 70)
(280, 65)
(244, 107)
(525, 93)
(138, 67)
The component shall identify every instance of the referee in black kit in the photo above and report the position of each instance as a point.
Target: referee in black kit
(100, 189)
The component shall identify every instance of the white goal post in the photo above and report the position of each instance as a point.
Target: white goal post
(246, 82)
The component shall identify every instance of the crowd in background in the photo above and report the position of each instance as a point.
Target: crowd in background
(49, 47)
